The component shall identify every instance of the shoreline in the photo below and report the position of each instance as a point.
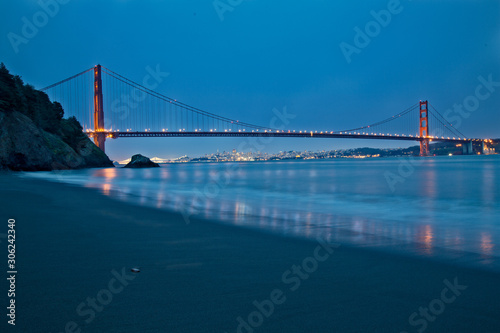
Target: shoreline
(203, 276)
(356, 157)
(376, 243)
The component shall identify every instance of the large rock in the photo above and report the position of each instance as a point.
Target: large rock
(139, 161)
(26, 147)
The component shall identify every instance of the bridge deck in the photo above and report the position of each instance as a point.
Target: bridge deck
(278, 134)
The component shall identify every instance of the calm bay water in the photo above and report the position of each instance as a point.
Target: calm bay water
(446, 208)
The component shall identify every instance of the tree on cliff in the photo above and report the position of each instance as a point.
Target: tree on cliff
(35, 136)
(10, 96)
(16, 96)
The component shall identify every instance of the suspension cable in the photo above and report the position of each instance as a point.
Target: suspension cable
(180, 104)
(65, 80)
(402, 113)
(451, 125)
(452, 130)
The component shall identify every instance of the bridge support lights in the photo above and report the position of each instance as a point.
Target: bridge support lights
(99, 138)
(424, 129)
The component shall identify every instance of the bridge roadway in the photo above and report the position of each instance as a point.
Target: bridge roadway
(281, 134)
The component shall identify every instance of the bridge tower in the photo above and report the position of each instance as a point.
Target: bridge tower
(424, 129)
(99, 135)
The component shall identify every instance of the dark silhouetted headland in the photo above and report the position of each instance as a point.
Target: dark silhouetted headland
(35, 136)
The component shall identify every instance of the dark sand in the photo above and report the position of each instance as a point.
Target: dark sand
(202, 276)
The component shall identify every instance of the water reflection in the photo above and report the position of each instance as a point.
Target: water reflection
(486, 244)
(109, 173)
(106, 188)
(430, 183)
(305, 220)
(425, 240)
(488, 184)
(442, 205)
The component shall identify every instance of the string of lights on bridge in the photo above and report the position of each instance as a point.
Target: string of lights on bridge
(130, 109)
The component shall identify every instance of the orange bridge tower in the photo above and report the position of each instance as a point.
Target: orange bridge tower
(424, 129)
(99, 134)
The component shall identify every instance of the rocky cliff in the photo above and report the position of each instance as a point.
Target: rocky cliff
(26, 146)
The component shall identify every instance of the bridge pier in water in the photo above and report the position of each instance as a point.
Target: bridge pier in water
(99, 135)
(467, 148)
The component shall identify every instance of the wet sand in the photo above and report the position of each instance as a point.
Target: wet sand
(75, 248)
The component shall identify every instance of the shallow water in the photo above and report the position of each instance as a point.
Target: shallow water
(446, 208)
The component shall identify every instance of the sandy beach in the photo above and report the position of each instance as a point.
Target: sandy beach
(75, 249)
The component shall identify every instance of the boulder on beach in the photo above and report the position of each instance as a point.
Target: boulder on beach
(139, 161)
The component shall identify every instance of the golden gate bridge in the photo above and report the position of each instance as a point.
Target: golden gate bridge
(108, 105)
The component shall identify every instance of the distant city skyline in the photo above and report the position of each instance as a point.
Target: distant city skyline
(332, 65)
(364, 152)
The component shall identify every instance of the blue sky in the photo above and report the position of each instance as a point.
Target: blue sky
(271, 54)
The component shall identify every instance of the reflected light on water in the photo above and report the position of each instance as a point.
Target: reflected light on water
(308, 224)
(144, 197)
(159, 199)
(164, 174)
(430, 183)
(106, 188)
(488, 181)
(109, 173)
(486, 244)
(425, 239)
(441, 206)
